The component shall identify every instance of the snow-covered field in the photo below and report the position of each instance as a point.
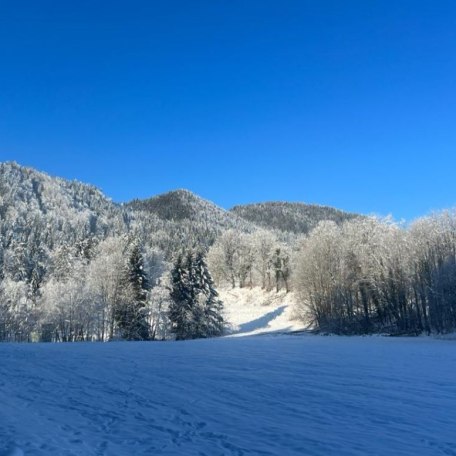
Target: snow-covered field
(269, 395)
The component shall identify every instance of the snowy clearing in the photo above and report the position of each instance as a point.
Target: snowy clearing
(255, 311)
(286, 395)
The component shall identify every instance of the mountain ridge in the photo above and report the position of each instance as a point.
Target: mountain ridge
(38, 190)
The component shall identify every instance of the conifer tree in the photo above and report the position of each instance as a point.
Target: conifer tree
(209, 305)
(180, 310)
(131, 318)
(195, 310)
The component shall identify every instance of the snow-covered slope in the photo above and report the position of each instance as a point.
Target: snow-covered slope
(269, 396)
(51, 210)
(255, 311)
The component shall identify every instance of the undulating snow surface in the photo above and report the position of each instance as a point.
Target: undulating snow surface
(269, 395)
(255, 311)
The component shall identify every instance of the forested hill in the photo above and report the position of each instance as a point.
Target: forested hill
(298, 218)
(55, 210)
(182, 205)
(180, 218)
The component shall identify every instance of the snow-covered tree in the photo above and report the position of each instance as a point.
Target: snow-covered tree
(182, 299)
(106, 283)
(130, 313)
(210, 307)
(195, 310)
(158, 310)
(264, 245)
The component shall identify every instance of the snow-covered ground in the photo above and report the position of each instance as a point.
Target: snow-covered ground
(255, 311)
(285, 395)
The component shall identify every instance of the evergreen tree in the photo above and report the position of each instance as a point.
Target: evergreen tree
(209, 305)
(130, 316)
(180, 310)
(195, 310)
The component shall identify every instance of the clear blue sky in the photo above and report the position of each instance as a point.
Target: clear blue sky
(345, 103)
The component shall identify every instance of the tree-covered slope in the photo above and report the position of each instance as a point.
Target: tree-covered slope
(182, 205)
(298, 218)
(55, 210)
(182, 219)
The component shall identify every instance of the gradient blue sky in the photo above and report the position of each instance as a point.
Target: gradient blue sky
(345, 103)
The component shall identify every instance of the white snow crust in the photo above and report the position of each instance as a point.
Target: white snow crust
(270, 395)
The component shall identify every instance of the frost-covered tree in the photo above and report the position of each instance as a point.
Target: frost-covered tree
(18, 312)
(256, 259)
(281, 264)
(372, 275)
(106, 283)
(224, 258)
(68, 315)
(158, 310)
(264, 245)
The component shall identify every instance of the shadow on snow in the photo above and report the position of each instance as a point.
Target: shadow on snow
(261, 322)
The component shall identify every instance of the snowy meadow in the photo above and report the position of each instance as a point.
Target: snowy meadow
(263, 395)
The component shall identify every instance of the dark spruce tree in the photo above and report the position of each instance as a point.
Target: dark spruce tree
(210, 307)
(195, 311)
(131, 317)
(180, 310)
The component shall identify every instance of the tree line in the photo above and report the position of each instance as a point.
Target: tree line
(256, 259)
(75, 266)
(367, 275)
(374, 276)
(113, 289)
